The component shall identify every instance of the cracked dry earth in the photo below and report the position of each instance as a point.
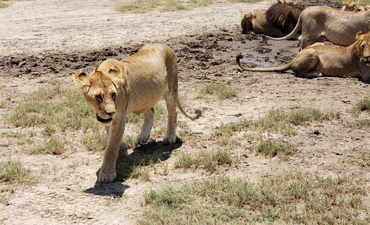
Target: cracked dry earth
(42, 41)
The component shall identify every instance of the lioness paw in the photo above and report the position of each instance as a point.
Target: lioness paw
(123, 148)
(170, 139)
(105, 176)
(142, 139)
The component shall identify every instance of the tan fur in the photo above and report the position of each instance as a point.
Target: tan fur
(257, 22)
(319, 23)
(132, 85)
(330, 60)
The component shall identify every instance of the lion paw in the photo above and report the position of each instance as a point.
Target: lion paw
(106, 176)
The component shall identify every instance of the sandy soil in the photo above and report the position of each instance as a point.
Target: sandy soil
(43, 41)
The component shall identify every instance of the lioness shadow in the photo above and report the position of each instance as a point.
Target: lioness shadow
(115, 189)
(144, 155)
(150, 153)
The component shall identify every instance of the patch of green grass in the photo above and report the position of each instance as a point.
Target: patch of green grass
(245, 1)
(364, 2)
(144, 6)
(54, 108)
(276, 121)
(274, 148)
(139, 6)
(95, 141)
(14, 172)
(207, 160)
(223, 91)
(3, 5)
(53, 145)
(200, 3)
(362, 105)
(289, 198)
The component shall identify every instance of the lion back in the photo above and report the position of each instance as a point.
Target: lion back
(284, 15)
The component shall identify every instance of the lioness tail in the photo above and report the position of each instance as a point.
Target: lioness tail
(194, 116)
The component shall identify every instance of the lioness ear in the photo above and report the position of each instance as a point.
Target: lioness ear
(117, 74)
(81, 78)
(359, 35)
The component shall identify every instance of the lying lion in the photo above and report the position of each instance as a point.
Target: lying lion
(278, 20)
(320, 23)
(353, 6)
(133, 85)
(328, 60)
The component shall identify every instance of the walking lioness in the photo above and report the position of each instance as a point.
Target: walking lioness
(133, 85)
(329, 60)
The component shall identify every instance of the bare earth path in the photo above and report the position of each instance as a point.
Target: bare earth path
(206, 40)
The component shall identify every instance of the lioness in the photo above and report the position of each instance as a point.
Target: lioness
(133, 85)
(353, 6)
(330, 60)
(319, 23)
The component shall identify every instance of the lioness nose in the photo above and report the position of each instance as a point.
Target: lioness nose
(110, 112)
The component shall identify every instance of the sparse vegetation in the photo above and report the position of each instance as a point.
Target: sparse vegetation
(53, 107)
(276, 121)
(223, 91)
(13, 171)
(207, 160)
(289, 198)
(143, 6)
(362, 105)
(3, 5)
(95, 141)
(274, 148)
(134, 167)
(54, 145)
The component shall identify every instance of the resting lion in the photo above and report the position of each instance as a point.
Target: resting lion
(330, 60)
(257, 22)
(353, 6)
(278, 20)
(319, 23)
(133, 85)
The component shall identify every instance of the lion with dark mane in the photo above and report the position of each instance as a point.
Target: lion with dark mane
(277, 21)
(284, 15)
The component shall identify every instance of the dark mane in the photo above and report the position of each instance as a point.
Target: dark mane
(284, 15)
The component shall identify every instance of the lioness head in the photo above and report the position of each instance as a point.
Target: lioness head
(362, 47)
(103, 89)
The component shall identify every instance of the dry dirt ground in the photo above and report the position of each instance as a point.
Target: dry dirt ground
(42, 41)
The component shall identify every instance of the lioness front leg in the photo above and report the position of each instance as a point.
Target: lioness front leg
(107, 172)
(144, 135)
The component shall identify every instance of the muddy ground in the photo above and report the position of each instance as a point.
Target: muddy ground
(66, 194)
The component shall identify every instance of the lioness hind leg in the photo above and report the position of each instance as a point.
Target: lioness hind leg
(305, 64)
(144, 135)
(170, 137)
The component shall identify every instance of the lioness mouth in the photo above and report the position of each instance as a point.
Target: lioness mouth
(103, 120)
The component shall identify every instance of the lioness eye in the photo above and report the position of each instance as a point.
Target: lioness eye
(114, 96)
(99, 98)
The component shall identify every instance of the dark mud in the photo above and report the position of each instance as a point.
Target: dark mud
(204, 56)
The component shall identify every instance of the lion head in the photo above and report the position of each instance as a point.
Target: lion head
(103, 89)
(362, 47)
(246, 22)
